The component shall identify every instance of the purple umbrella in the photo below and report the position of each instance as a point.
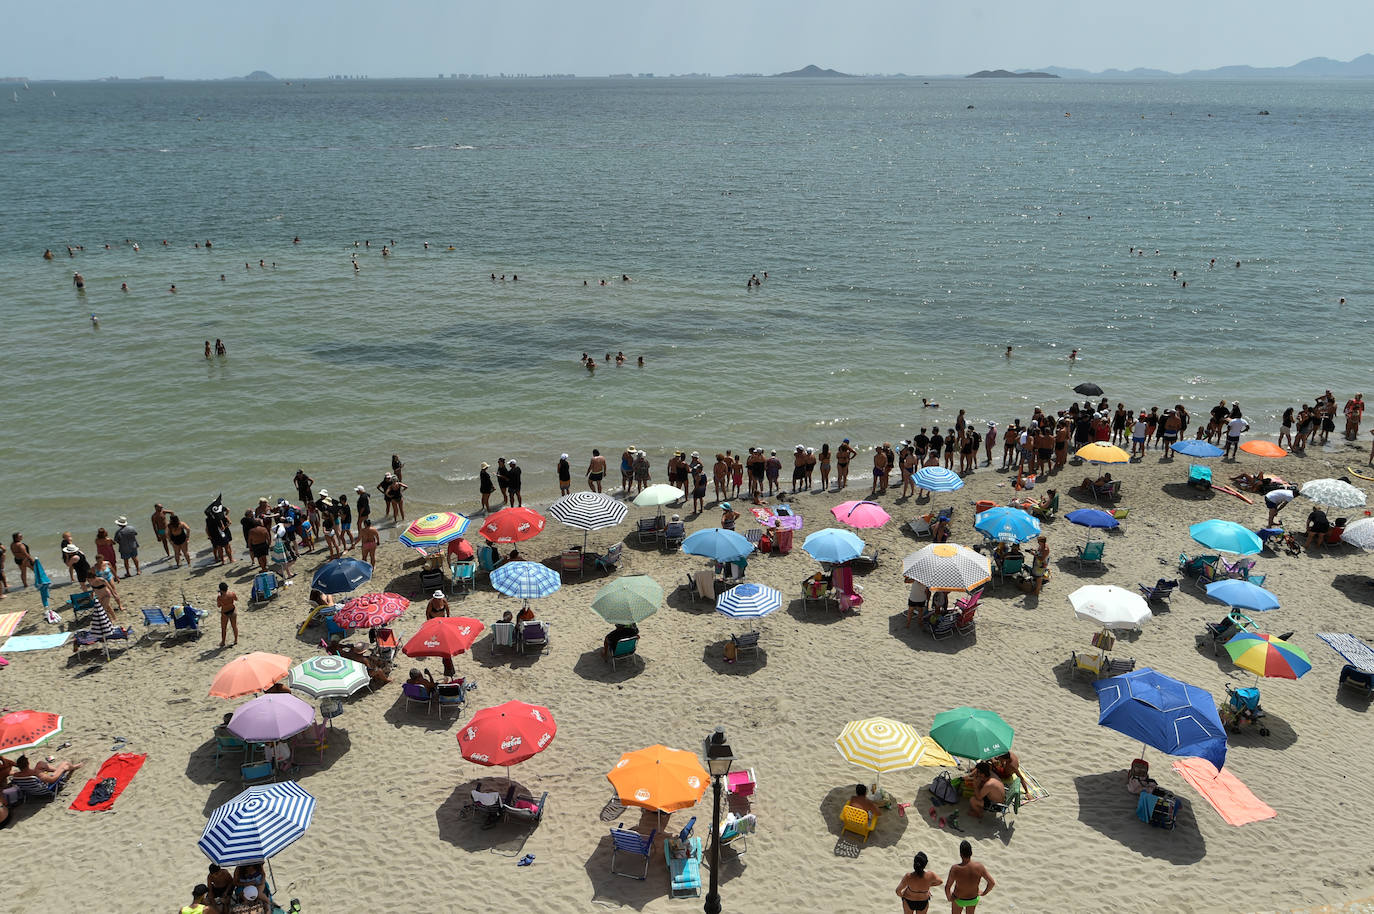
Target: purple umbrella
(272, 717)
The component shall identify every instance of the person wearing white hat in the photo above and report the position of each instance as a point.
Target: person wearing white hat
(126, 538)
(564, 475)
(437, 606)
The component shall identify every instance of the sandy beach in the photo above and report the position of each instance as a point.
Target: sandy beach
(388, 833)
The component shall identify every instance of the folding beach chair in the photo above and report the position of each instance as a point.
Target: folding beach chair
(631, 843)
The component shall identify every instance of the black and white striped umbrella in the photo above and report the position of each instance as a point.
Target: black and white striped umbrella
(101, 627)
(948, 567)
(588, 510)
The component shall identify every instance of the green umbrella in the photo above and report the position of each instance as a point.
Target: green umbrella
(971, 733)
(628, 600)
(328, 677)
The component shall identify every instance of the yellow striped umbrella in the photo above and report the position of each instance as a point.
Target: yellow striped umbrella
(880, 744)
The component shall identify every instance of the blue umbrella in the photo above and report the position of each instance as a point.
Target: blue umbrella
(526, 580)
(1007, 525)
(833, 545)
(937, 479)
(1196, 447)
(341, 576)
(257, 823)
(748, 601)
(1092, 518)
(1172, 716)
(717, 543)
(1242, 595)
(1225, 536)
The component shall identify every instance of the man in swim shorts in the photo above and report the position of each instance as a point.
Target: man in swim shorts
(159, 520)
(963, 886)
(596, 471)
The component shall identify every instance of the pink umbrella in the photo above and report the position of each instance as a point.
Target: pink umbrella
(860, 514)
(272, 717)
(371, 610)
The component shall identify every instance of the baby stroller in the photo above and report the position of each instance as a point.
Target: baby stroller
(1242, 708)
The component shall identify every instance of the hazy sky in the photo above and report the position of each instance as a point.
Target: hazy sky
(94, 38)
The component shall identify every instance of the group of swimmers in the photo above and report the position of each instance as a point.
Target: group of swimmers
(589, 362)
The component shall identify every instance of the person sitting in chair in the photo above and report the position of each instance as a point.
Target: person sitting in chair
(1047, 505)
(1317, 526)
(319, 598)
(987, 788)
(860, 800)
(939, 531)
(1100, 482)
(424, 679)
(526, 614)
(44, 771)
(613, 638)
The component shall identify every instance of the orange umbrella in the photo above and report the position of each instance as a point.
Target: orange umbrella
(1262, 448)
(250, 673)
(659, 778)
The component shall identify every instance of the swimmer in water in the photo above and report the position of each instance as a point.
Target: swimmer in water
(207, 349)
(95, 320)
(79, 281)
(1008, 352)
(926, 404)
(1073, 356)
(426, 245)
(641, 361)
(124, 287)
(221, 277)
(173, 289)
(219, 347)
(296, 240)
(47, 253)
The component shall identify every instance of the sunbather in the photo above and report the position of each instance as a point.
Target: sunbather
(860, 800)
(44, 771)
(1100, 482)
(987, 788)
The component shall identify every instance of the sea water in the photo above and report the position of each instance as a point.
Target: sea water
(910, 231)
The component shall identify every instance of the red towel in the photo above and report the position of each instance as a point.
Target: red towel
(122, 767)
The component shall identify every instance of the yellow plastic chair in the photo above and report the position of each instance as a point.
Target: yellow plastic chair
(854, 819)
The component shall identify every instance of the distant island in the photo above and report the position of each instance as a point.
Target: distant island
(811, 70)
(260, 76)
(1361, 66)
(1007, 74)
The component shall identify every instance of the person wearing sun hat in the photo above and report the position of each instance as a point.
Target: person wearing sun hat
(126, 538)
(485, 486)
(437, 606)
(564, 475)
(513, 482)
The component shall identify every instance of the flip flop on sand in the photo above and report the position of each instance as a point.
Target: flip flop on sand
(525, 860)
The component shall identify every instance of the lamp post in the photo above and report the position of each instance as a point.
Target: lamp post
(718, 761)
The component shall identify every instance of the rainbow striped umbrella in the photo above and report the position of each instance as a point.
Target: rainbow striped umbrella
(1265, 655)
(435, 529)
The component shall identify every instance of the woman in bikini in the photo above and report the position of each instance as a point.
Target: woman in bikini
(914, 889)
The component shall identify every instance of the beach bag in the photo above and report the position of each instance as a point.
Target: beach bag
(942, 790)
(103, 791)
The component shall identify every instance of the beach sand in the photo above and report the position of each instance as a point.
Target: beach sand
(388, 835)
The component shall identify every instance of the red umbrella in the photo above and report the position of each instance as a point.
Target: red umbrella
(513, 525)
(443, 637)
(507, 734)
(371, 610)
(26, 729)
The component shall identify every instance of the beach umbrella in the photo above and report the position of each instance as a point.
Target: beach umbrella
(588, 511)
(257, 824)
(269, 718)
(341, 575)
(1242, 595)
(947, 567)
(1360, 534)
(1225, 536)
(328, 677)
(658, 495)
(27, 729)
(1262, 448)
(1333, 493)
(435, 529)
(833, 546)
(443, 636)
(880, 744)
(860, 514)
(250, 673)
(1088, 389)
(1172, 716)
(748, 601)
(526, 580)
(628, 600)
(972, 733)
(371, 610)
(937, 479)
(512, 525)
(507, 734)
(1093, 519)
(717, 543)
(1097, 452)
(1265, 655)
(1007, 525)
(1197, 447)
(1110, 606)
(659, 778)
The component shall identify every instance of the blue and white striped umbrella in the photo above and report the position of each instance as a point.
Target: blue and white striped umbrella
(257, 823)
(748, 601)
(526, 580)
(937, 479)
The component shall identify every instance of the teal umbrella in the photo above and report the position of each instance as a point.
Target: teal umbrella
(628, 600)
(971, 733)
(1225, 536)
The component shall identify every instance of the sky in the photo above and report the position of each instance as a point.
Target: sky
(88, 39)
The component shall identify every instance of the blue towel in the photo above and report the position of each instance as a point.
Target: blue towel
(19, 643)
(1145, 807)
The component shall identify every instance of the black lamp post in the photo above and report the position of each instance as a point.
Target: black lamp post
(718, 761)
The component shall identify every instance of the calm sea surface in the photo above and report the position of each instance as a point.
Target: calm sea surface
(910, 231)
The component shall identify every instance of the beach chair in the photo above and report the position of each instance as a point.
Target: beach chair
(1092, 552)
(90, 638)
(682, 853)
(229, 745)
(610, 560)
(257, 772)
(853, 819)
(1116, 666)
(673, 535)
(747, 642)
(416, 694)
(1231, 624)
(815, 593)
(570, 561)
(462, 576)
(450, 696)
(1110, 492)
(1010, 567)
(940, 625)
(488, 559)
(488, 805)
(533, 634)
(502, 635)
(970, 601)
(524, 808)
(1162, 590)
(1048, 512)
(39, 789)
(1120, 515)
(842, 588)
(1087, 664)
(921, 526)
(157, 618)
(623, 650)
(81, 601)
(1197, 564)
(313, 739)
(265, 586)
(633, 844)
(741, 783)
(703, 585)
(646, 529)
(1355, 679)
(1200, 477)
(755, 538)
(965, 622)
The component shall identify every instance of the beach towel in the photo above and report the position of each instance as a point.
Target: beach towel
(18, 643)
(41, 581)
(1031, 788)
(1356, 652)
(9, 622)
(120, 768)
(1224, 791)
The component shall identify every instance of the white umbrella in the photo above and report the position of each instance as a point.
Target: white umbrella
(1360, 534)
(658, 495)
(1110, 606)
(1333, 493)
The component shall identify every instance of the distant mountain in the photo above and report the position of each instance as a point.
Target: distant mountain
(1312, 67)
(812, 70)
(1007, 74)
(261, 76)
